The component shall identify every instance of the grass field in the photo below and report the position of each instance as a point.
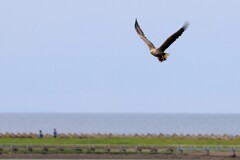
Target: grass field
(118, 146)
(119, 141)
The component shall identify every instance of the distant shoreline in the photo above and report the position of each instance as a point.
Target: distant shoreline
(128, 124)
(110, 135)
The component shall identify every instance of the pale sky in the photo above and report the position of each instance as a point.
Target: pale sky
(85, 56)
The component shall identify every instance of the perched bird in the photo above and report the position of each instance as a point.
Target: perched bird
(159, 52)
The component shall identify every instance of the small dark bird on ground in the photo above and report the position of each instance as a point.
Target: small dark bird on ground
(159, 52)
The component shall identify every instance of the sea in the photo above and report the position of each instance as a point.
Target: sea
(120, 123)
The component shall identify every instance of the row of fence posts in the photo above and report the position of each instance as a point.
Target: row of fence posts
(207, 150)
(106, 149)
(45, 148)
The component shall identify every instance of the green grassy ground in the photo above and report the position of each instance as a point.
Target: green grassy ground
(117, 141)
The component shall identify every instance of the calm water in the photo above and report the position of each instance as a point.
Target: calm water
(121, 123)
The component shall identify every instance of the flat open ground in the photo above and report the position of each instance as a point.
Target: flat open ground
(194, 156)
(170, 147)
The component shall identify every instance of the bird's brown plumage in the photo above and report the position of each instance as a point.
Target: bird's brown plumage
(159, 52)
(173, 37)
(142, 36)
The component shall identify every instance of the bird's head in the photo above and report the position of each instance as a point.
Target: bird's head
(163, 57)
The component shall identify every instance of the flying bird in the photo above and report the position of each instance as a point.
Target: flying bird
(159, 52)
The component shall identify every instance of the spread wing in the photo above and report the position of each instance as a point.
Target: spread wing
(142, 36)
(173, 37)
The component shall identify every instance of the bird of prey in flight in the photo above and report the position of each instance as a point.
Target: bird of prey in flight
(159, 52)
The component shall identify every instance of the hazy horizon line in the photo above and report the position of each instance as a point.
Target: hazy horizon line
(116, 112)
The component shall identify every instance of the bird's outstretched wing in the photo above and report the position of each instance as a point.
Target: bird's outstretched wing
(173, 37)
(142, 36)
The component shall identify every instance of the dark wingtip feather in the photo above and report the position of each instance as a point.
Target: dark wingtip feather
(137, 27)
(185, 25)
(136, 23)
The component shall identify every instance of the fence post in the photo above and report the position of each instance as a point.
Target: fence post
(44, 149)
(234, 152)
(1, 149)
(179, 149)
(29, 148)
(207, 150)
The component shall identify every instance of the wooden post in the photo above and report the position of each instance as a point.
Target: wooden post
(78, 149)
(60, 148)
(139, 149)
(208, 152)
(170, 150)
(45, 149)
(14, 148)
(123, 150)
(179, 149)
(153, 149)
(234, 152)
(29, 149)
(107, 150)
(1, 149)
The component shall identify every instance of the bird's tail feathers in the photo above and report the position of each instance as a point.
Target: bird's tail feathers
(163, 57)
(166, 55)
